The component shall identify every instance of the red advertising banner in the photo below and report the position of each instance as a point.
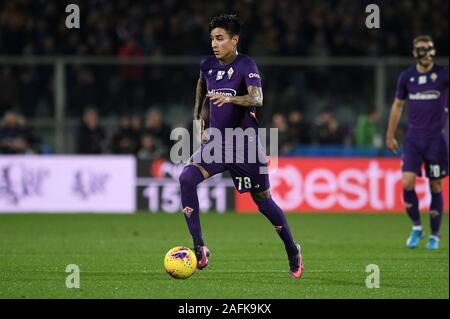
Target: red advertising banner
(323, 185)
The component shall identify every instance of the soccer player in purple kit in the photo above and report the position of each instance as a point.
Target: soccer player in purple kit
(425, 85)
(232, 83)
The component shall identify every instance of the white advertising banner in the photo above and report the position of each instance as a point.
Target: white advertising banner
(97, 184)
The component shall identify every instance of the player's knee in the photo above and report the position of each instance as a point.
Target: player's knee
(260, 196)
(187, 178)
(408, 185)
(436, 186)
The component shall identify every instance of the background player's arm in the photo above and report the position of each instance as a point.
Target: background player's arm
(200, 99)
(253, 98)
(394, 119)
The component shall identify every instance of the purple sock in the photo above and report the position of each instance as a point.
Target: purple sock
(276, 216)
(190, 177)
(436, 209)
(412, 206)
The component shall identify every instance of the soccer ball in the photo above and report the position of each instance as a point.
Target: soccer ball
(180, 262)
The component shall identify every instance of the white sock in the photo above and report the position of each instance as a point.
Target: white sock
(417, 227)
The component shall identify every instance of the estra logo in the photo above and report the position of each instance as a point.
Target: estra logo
(339, 185)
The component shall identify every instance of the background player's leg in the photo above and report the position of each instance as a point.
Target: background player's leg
(273, 212)
(410, 197)
(412, 208)
(190, 177)
(436, 207)
(437, 167)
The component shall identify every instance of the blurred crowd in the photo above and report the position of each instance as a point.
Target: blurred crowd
(127, 28)
(148, 136)
(16, 137)
(325, 129)
(306, 104)
(174, 27)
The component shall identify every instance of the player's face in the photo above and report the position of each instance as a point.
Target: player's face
(222, 43)
(424, 51)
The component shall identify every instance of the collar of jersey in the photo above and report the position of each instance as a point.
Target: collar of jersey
(225, 65)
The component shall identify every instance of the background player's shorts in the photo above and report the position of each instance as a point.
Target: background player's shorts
(246, 174)
(431, 151)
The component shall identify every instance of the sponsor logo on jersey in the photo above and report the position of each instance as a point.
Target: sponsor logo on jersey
(253, 75)
(426, 95)
(220, 75)
(422, 79)
(223, 91)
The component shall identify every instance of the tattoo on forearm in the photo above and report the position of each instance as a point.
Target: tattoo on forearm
(200, 98)
(253, 98)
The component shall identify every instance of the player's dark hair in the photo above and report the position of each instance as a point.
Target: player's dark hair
(229, 22)
(421, 38)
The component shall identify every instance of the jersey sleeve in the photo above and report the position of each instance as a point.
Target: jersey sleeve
(251, 74)
(401, 92)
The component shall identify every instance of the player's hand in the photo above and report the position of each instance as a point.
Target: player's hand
(200, 125)
(218, 99)
(392, 144)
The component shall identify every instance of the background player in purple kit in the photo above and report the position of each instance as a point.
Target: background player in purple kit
(232, 83)
(425, 85)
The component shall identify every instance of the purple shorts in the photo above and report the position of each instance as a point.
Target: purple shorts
(431, 151)
(245, 170)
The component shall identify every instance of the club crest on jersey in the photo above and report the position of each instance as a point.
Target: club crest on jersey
(210, 72)
(188, 211)
(433, 77)
(230, 72)
(220, 75)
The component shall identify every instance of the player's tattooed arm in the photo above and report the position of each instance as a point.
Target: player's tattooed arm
(200, 99)
(394, 118)
(253, 98)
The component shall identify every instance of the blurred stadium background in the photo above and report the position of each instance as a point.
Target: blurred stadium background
(120, 83)
(322, 69)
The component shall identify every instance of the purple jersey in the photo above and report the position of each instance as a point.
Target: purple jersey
(427, 98)
(232, 80)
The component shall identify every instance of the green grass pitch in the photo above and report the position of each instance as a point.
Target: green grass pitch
(121, 256)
